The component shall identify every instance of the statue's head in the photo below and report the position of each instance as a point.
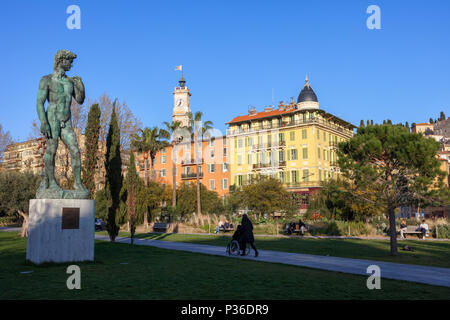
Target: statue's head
(63, 59)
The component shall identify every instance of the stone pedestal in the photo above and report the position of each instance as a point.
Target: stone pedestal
(61, 230)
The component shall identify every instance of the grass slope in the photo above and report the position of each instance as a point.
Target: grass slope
(429, 253)
(153, 273)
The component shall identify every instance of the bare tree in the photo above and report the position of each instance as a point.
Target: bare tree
(5, 140)
(128, 123)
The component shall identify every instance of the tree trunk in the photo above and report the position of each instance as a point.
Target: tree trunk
(174, 185)
(146, 185)
(393, 230)
(199, 204)
(24, 232)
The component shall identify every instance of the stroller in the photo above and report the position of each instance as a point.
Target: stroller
(234, 246)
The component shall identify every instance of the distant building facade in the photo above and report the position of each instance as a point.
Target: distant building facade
(295, 143)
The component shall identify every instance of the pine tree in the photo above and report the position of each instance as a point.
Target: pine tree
(132, 185)
(406, 170)
(91, 148)
(431, 120)
(113, 166)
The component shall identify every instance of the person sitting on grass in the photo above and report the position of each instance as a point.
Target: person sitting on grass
(423, 228)
(403, 228)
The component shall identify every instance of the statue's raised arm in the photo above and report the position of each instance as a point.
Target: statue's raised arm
(78, 89)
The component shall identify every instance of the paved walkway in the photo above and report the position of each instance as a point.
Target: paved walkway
(389, 270)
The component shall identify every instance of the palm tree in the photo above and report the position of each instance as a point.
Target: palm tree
(207, 125)
(149, 142)
(171, 128)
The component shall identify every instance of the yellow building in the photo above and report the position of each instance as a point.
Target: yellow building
(295, 143)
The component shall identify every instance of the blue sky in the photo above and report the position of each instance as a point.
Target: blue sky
(234, 54)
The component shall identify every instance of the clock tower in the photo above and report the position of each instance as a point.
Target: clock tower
(181, 103)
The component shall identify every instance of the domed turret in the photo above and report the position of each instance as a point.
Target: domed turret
(307, 97)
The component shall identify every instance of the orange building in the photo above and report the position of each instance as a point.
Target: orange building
(214, 168)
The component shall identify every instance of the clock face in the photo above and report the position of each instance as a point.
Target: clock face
(180, 102)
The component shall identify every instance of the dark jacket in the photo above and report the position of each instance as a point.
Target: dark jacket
(247, 228)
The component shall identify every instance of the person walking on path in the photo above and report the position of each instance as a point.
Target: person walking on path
(247, 235)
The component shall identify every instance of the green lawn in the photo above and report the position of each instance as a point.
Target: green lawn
(153, 273)
(430, 253)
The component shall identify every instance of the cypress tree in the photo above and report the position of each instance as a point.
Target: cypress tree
(91, 147)
(361, 124)
(132, 184)
(442, 116)
(371, 122)
(368, 123)
(113, 166)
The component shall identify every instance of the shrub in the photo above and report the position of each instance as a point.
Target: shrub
(443, 231)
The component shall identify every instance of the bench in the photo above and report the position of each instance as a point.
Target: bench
(158, 226)
(297, 229)
(412, 230)
(223, 230)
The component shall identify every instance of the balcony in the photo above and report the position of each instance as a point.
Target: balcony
(232, 132)
(302, 184)
(191, 162)
(190, 176)
(272, 146)
(260, 166)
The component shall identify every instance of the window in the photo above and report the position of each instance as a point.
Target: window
(318, 153)
(305, 153)
(212, 184)
(224, 184)
(292, 135)
(225, 167)
(282, 176)
(239, 180)
(325, 154)
(305, 175)
(320, 175)
(239, 159)
(280, 156)
(318, 134)
(212, 168)
(224, 152)
(163, 159)
(294, 175)
(250, 141)
(249, 158)
(304, 134)
(292, 155)
(240, 143)
(324, 136)
(211, 143)
(211, 152)
(163, 150)
(162, 173)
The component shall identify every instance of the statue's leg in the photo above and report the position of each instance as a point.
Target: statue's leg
(49, 156)
(70, 140)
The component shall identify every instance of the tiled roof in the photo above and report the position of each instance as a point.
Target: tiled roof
(260, 115)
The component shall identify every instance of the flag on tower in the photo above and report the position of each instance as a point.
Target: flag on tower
(180, 67)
